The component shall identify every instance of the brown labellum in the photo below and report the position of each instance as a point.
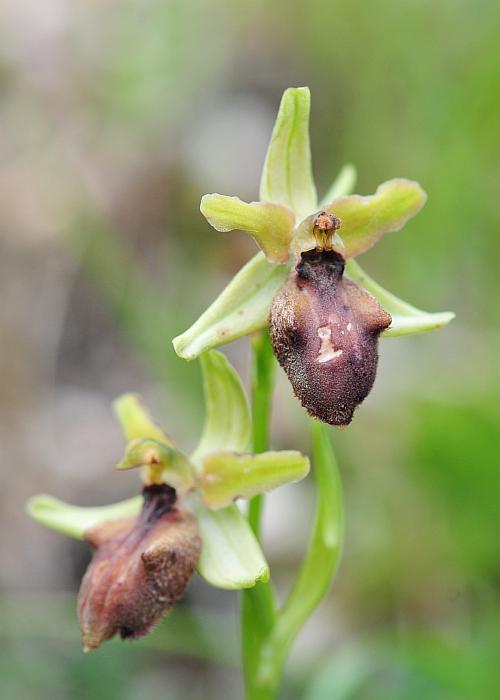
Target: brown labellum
(140, 567)
(324, 330)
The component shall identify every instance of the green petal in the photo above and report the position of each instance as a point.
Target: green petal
(242, 308)
(287, 175)
(230, 557)
(406, 319)
(163, 464)
(366, 219)
(227, 421)
(271, 225)
(74, 520)
(136, 421)
(227, 476)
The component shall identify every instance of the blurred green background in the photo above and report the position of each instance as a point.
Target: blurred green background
(116, 116)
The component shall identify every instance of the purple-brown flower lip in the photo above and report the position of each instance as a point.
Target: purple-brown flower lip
(139, 569)
(324, 329)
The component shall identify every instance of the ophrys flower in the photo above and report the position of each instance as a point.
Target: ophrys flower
(325, 314)
(146, 548)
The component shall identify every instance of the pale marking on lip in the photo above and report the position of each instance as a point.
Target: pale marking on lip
(349, 326)
(326, 351)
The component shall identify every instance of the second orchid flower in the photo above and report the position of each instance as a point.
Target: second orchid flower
(146, 548)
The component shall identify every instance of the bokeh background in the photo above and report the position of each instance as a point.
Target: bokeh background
(116, 116)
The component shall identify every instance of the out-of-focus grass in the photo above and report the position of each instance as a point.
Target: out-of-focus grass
(455, 457)
(415, 665)
(40, 634)
(190, 631)
(148, 315)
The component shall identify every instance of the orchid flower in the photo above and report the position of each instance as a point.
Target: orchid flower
(147, 547)
(324, 324)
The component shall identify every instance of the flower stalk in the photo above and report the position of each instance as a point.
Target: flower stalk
(263, 372)
(258, 604)
(268, 633)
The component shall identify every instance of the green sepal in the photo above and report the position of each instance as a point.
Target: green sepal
(270, 224)
(343, 184)
(231, 556)
(227, 419)
(227, 475)
(406, 319)
(162, 464)
(136, 421)
(242, 308)
(287, 175)
(74, 521)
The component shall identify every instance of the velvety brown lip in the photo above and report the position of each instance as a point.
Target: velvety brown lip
(324, 330)
(139, 569)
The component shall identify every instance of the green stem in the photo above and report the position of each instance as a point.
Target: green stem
(320, 563)
(267, 634)
(258, 603)
(262, 380)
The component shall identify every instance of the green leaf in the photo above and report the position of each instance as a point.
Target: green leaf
(325, 546)
(366, 219)
(345, 673)
(320, 562)
(242, 308)
(287, 174)
(343, 184)
(74, 520)
(406, 319)
(136, 421)
(271, 225)
(227, 419)
(230, 557)
(227, 476)
(163, 464)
